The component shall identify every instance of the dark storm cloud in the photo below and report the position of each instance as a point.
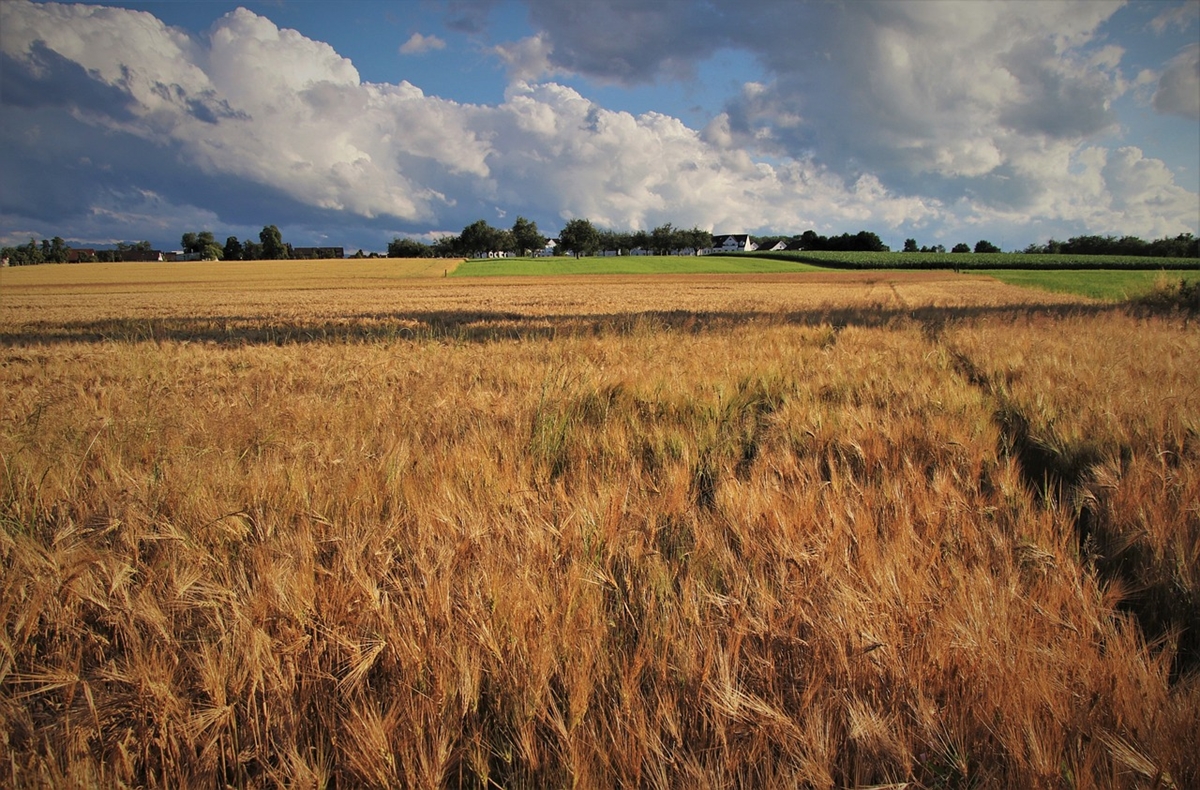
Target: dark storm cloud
(1055, 101)
(45, 78)
(469, 16)
(632, 41)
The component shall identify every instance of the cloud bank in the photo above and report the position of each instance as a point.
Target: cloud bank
(888, 115)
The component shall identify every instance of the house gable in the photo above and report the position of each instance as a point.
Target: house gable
(732, 241)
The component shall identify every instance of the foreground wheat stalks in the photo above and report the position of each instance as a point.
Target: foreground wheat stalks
(636, 552)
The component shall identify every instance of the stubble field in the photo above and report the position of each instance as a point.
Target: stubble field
(318, 525)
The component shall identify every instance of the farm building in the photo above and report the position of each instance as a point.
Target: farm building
(141, 256)
(732, 242)
(318, 253)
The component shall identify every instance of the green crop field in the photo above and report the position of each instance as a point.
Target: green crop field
(1098, 277)
(976, 261)
(640, 264)
(1112, 285)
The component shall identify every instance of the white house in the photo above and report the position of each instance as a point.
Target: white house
(777, 246)
(732, 242)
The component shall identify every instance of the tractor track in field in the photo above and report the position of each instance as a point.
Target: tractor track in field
(1062, 476)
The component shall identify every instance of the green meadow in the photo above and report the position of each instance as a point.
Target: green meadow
(1122, 281)
(627, 264)
(1107, 284)
(978, 261)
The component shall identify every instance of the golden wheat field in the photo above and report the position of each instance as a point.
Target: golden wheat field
(364, 525)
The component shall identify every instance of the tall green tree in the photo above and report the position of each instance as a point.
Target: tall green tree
(55, 250)
(479, 238)
(232, 250)
(609, 239)
(202, 244)
(697, 239)
(273, 248)
(408, 248)
(446, 247)
(664, 238)
(24, 255)
(526, 237)
(580, 237)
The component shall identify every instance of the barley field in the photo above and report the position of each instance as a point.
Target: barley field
(343, 525)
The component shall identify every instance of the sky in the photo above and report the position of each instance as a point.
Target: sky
(353, 123)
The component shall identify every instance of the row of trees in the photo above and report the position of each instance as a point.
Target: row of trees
(269, 247)
(202, 245)
(58, 251)
(1185, 245)
(863, 241)
(981, 246)
(477, 239)
(579, 237)
(49, 251)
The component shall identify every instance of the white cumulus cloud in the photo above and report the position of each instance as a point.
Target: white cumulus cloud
(872, 115)
(418, 44)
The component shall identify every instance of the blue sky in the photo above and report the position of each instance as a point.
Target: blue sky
(351, 123)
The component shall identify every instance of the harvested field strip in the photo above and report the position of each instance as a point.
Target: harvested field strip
(338, 295)
(479, 326)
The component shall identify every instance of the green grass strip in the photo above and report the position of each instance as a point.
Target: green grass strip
(977, 261)
(628, 264)
(1109, 285)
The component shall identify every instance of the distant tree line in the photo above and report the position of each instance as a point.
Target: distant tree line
(1182, 246)
(578, 237)
(49, 251)
(863, 241)
(269, 247)
(981, 246)
(1185, 245)
(198, 246)
(476, 240)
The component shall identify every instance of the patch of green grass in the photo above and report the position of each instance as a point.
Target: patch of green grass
(627, 264)
(977, 261)
(1109, 285)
